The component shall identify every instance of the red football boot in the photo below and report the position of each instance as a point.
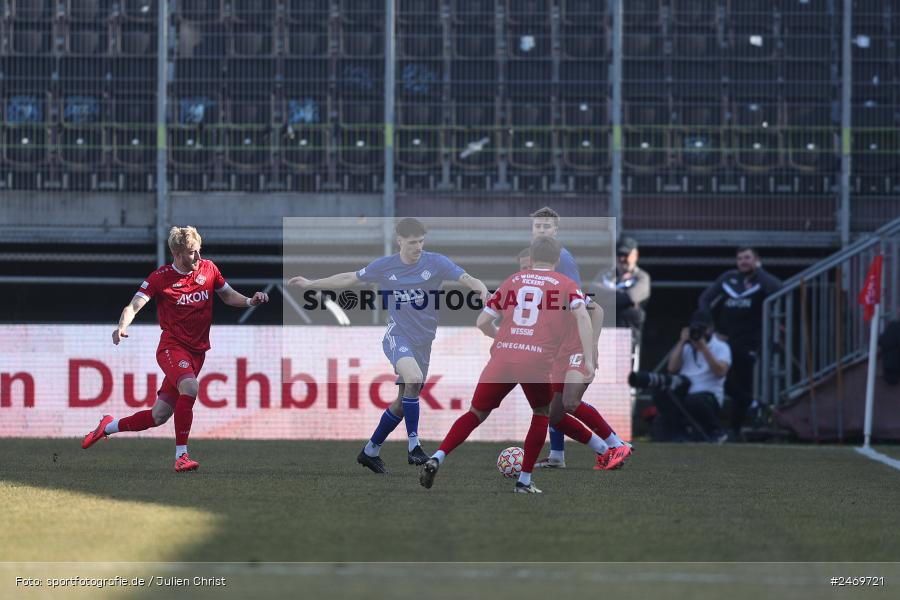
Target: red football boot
(613, 458)
(97, 434)
(184, 463)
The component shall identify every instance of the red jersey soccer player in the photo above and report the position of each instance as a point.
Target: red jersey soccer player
(535, 307)
(570, 379)
(184, 309)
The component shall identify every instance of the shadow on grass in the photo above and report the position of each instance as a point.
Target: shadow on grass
(276, 501)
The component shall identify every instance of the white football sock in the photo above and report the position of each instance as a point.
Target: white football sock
(413, 442)
(439, 456)
(372, 449)
(179, 450)
(558, 455)
(112, 427)
(597, 445)
(525, 478)
(613, 440)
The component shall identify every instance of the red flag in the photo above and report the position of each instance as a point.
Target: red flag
(870, 295)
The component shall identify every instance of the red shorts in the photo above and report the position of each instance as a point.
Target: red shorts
(177, 363)
(565, 363)
(499, 379)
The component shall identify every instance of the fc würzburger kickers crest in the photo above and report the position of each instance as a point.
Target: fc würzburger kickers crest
(201, 279)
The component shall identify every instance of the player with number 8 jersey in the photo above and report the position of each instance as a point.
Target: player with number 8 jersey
(535, 307)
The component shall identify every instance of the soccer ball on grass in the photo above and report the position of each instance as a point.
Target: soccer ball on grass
(509, 463)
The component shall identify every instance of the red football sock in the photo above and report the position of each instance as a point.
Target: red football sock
(184, 416)
(591, 417)
(534, 441)
(460, 430)
(573, 428)
(139, 421)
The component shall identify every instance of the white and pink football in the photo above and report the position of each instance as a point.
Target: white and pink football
(509, 463)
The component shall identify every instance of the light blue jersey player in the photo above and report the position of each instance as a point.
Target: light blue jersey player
(407, 282)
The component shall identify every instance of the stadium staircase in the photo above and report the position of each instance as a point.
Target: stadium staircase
(812, 372)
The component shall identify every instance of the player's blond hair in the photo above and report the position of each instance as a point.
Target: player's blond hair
(180, 237)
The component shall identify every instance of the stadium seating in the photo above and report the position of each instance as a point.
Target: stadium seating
(473, 11)
(419, 11)
(474, 141)
(585, 135)
(139, 10)
(420, 41)
(530, 130)
(646, 133)
(698, 124)
(745, 92)
(133, 131)
(201, 11)
(32, 10)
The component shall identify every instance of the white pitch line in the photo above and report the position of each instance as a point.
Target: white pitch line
(879, 457)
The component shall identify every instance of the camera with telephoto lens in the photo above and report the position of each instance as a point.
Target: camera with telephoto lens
(700, 321)
(697, 331)
(648, 380)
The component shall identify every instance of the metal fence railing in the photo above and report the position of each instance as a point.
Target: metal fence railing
(813, 326)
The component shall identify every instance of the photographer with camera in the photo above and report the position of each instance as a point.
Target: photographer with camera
(692, 393)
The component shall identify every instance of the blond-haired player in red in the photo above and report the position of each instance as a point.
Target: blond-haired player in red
(184, 307)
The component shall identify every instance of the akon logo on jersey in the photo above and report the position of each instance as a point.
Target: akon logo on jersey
(193, 298)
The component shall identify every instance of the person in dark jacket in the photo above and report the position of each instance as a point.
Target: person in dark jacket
(736, 298)
(889, 342)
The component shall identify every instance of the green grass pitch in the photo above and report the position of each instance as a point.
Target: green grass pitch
(258, 502)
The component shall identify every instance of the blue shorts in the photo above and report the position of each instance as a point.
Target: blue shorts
(397, 346)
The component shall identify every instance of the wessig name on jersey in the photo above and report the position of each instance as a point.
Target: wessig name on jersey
(193, 298)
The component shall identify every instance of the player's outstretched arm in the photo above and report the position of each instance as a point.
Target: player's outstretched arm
(341, 280)
(127, 316)
(232, 297)
(476, 285)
